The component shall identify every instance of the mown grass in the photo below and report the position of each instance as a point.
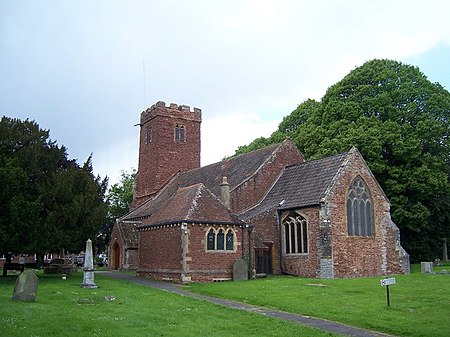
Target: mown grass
(420, 304)
(63, 308)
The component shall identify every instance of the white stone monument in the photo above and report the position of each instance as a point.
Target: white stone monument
(88, 267)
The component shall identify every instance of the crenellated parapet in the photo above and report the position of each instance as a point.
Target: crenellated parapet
(173, 110)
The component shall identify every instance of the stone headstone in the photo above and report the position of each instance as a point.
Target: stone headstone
(26, 287)
(426, 267)
(240, 272)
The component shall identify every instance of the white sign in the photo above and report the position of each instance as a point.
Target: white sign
(387, 281)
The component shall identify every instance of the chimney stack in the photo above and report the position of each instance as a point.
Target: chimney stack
(225, 192)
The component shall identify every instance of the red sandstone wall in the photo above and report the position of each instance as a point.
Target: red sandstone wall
(305, 265)
(161, 158)
(160, 252)
(253, 190)
(163, 250)
(203, 265)
(361, 256)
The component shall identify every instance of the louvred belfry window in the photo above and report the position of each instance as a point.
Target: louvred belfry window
(180, 134)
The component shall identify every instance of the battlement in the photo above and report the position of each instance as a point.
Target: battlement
(173, 110)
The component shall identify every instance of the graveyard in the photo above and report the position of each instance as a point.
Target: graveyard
(420, 306)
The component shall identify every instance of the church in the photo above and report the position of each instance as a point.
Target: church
(282, 214)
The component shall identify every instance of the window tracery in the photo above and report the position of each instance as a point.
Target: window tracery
(220, 240)
(295, 229)
(359, 209)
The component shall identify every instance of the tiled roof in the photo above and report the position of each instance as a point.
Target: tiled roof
(129, 234)
(193, 203)
(300, 185)
(238, 169)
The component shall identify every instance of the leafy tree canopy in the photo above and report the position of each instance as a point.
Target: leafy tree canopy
(47, 202)
(119, 198)
(120, 195)
(399, 121)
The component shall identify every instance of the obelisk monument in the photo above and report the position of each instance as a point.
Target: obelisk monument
(88, 267)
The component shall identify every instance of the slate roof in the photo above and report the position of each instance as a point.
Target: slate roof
(237, 169)
(300, 185)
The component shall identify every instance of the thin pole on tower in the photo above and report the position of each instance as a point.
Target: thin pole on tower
(143, 78)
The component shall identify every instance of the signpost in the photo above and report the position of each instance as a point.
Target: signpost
(386, 282)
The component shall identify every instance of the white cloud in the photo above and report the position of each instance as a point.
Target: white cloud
(76, 67)
(221, 135)
(121, 155)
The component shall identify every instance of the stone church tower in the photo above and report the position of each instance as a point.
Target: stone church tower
(169, 143)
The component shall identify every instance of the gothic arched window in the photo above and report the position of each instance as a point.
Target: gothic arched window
(221, 240)
(295, 234)
(359, 209)
(211, 245)
(230, 240)
(180, 133)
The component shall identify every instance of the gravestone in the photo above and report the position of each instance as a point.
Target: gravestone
(240, 271)
(426, 267)
(26, 287)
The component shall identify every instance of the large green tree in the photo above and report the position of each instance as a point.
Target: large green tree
(119, 198)
(399, 121)
(47, 202)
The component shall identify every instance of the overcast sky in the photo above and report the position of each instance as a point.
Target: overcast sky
(86, 69)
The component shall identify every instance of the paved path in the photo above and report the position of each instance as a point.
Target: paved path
(306, 320)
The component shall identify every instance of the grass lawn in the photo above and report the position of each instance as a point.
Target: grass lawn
(63, 308)
(420, 304)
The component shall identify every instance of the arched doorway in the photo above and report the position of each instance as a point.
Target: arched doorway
(115, 256)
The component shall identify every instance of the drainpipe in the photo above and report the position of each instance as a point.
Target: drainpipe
(250, 265)
(280, 253)
(242, 243)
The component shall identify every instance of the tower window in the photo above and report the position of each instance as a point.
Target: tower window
(148, 135)
(180, 133)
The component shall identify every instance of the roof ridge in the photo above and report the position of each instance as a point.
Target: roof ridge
(312, 161)
(233, 158)
(194, 200)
